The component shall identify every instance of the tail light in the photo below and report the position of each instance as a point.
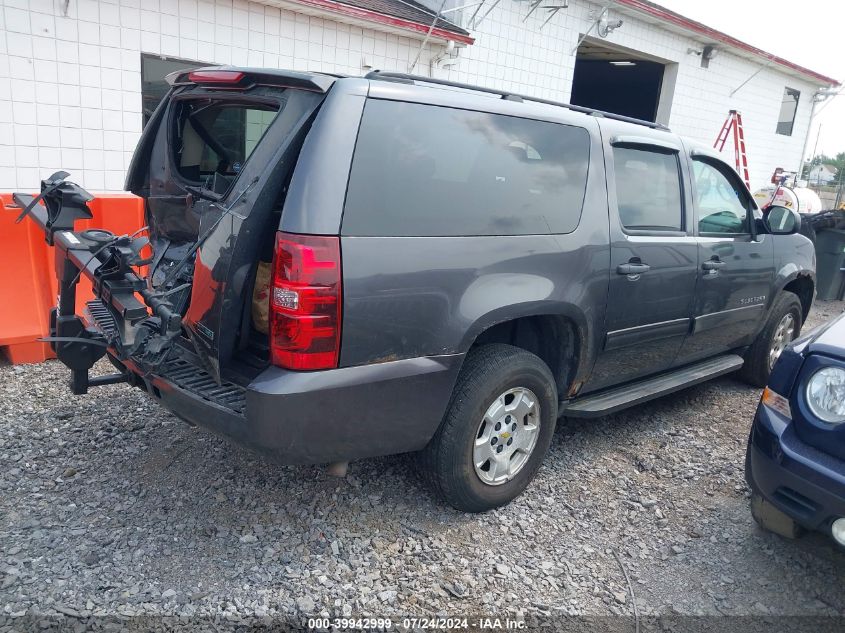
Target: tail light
(305, 302)
(215, 76)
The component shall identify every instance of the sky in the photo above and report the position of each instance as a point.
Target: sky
(809, 33)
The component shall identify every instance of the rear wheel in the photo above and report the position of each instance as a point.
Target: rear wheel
(782, 327)
(496, 431)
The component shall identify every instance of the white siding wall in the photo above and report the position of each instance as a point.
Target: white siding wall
(70, 85)
(518, 56)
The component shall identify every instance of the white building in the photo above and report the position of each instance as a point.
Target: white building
(76, 76)
(822, 175)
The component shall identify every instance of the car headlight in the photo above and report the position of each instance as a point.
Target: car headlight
(826, 394)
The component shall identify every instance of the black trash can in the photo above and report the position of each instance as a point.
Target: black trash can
(830, 262)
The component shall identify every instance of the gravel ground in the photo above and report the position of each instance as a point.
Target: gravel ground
(109, 505)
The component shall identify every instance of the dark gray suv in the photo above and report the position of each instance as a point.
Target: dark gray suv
(337, 268)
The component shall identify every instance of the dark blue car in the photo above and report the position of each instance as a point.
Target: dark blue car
(795, 462)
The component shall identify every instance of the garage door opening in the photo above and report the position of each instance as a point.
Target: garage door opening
(622, 81)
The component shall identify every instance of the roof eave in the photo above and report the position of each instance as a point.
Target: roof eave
(373, 19)
(687, 24)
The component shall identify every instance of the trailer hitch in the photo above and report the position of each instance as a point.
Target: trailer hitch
(128, 318)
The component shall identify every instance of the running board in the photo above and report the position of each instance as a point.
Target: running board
(613, 400)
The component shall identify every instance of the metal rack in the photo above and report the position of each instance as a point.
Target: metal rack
(533, 5)
(503, 94)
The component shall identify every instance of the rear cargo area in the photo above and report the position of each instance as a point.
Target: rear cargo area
(188, 294)
(213, 168)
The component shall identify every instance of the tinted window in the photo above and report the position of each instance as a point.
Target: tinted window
(788, 107)
(648, 189)
(427, 170)
(721, 199)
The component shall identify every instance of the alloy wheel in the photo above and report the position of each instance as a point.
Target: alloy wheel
(506, 436)
(783, 336)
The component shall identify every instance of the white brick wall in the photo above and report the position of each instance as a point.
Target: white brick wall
(519, 56)
(70, 86)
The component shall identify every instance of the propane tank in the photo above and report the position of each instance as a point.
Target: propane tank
(801, 199)
(788, 191)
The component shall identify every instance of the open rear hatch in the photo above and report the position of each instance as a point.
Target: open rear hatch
(212, 166)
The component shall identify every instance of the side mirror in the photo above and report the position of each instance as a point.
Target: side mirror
(783, 221)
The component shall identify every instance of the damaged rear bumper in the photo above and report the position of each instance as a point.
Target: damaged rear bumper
(316, 417)
(295, 417)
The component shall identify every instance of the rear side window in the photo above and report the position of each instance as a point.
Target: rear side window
(423, 170)
(648, 189)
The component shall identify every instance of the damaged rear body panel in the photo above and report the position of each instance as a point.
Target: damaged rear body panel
(220, 159)
(212, 167)
(214, 307)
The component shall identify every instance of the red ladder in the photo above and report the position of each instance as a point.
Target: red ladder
(734, 122)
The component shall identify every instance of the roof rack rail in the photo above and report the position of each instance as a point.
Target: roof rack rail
(406, 78)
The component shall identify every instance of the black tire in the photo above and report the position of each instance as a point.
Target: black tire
(756, 369)
(447, 462)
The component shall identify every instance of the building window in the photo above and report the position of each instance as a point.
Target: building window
(788, 107)
(154, 68)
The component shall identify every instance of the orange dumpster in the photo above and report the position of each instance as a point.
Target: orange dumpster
(28, 286)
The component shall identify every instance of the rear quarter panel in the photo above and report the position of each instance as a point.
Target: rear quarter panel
(314, 202)
(425, 296)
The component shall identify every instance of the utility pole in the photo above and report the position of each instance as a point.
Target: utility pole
(815, 153)
(831, 92)
(838, 200)
(807, 140)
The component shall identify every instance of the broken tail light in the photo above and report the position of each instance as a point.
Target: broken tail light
(305, 302)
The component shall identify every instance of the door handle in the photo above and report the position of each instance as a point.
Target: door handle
(632, 268)
(713, 265)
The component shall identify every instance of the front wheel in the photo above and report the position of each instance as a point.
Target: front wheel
(782, 327)
(496, 431)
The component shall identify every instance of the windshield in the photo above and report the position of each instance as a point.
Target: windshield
(213, 139)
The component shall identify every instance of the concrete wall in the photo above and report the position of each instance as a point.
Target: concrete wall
(70, 86)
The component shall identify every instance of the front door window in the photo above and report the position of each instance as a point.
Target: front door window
(722, 202)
